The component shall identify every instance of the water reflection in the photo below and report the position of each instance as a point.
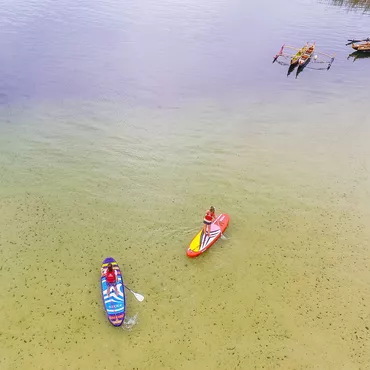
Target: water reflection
(358, 55)
(352, 4)
(311, 64)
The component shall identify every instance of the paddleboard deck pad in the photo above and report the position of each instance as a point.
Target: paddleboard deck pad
(115, 306)
(202, 241)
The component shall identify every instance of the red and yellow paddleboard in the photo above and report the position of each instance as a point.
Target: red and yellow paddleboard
(202, 241)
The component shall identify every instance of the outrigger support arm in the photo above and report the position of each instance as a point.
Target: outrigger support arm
(353, 41)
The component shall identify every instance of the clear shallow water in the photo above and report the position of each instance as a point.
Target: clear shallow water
(120, 123)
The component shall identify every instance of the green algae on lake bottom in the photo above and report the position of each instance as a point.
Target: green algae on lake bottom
(287, 288)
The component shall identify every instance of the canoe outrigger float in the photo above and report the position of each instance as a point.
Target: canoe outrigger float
(302, 57)
(360, 45)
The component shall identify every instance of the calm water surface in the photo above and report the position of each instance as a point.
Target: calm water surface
(120, 123)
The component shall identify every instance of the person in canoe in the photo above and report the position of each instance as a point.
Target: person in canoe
(208, 219)
(111, 277)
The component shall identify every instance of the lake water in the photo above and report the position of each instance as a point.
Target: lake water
(121, 122)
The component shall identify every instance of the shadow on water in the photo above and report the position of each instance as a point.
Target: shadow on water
(291, 68)
(358, 55)
(302, 67)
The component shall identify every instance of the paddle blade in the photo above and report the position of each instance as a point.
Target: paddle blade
(223, 237)
(138, 296)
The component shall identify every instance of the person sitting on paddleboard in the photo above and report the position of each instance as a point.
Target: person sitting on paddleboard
(111, 277)
(208, 218)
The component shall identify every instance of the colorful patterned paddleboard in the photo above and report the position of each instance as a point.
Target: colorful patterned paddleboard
(202, 241)
(115, 306)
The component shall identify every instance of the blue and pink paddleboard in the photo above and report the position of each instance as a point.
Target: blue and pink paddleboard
(115, 306)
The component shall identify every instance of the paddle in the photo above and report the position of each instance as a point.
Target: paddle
(223, 237)
(138, 296)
